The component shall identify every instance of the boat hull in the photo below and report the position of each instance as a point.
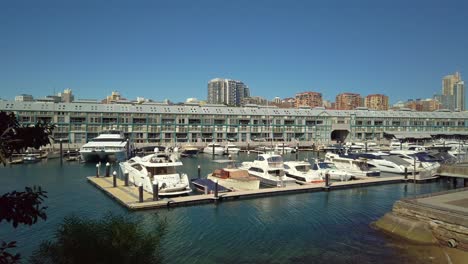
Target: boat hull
(103, 156)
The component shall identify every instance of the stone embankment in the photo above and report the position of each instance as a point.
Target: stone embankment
(440, 218)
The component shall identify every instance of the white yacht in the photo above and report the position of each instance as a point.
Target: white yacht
(383, 162)
(329, 168)
(419, 159)
(109, 145)
(269, 168)
(231, 149)
(302, 172)
(355, 166)
(214, 148)
(161, 167)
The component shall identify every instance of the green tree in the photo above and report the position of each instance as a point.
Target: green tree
(112, 239)
(14, 137)
(20, 207)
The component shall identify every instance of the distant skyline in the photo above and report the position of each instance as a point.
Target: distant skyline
(171, 49)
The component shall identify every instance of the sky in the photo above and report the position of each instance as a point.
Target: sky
(171, 49)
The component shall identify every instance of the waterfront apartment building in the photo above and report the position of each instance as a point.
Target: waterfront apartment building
(227, 92)
(453, 92)
(348, 101)
(311, 99)
(376, 102)
(160, 123)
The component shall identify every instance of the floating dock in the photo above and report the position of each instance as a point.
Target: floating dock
(129, 197)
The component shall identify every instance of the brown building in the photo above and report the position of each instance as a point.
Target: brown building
(426, 105)
(377, 102)
(312, 99)
(348, 101)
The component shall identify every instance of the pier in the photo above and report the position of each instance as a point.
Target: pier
(129, 196)
(436, 218)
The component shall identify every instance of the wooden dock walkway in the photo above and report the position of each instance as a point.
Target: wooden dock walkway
(128, 196)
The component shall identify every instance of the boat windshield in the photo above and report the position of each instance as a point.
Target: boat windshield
(324, 165)
(275, 159)
(303, 168)
(161, 170)
(276, 172)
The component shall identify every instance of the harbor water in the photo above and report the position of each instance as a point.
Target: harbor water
(320, 227)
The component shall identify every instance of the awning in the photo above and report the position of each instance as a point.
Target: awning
(405, 135)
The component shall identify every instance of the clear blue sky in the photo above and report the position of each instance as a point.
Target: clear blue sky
(171, 49)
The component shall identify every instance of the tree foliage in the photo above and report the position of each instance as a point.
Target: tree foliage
(112, 239)
(14, 137)
(20, 208)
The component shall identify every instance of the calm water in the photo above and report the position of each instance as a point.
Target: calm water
(303, 228)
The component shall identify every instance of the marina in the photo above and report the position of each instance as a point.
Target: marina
(354, 204)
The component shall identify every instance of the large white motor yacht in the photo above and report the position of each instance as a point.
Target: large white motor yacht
(109, 145)
(160, 167)
(357, 167)
(269, 168)
(302, 172)
(419, 159)
(214, 148)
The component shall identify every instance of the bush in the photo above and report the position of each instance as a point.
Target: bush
(113, 239)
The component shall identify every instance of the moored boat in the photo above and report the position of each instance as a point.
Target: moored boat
(269, 169)
(302, 172)
(159, 167)
(236, 179)
(109, 145)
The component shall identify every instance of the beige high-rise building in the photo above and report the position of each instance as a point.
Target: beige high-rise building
(376, 102)
(348, 101)
(312, 99)
(453, 92)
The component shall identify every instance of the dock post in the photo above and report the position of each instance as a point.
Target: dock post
(97, 170)
(199, 171)
(140, 193)
(155, 190)
(61, 153)
(406, 174)
(213, 150)
(297, 152)
(114, 179)
(327, 180)
(126, 178)
(216, 189)
(283, 148)
(107, 169)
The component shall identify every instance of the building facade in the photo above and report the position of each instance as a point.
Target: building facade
(453, 92)
(348, 101)
(226, 91)
(157, 123)
(377, 102)
(311, 99)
